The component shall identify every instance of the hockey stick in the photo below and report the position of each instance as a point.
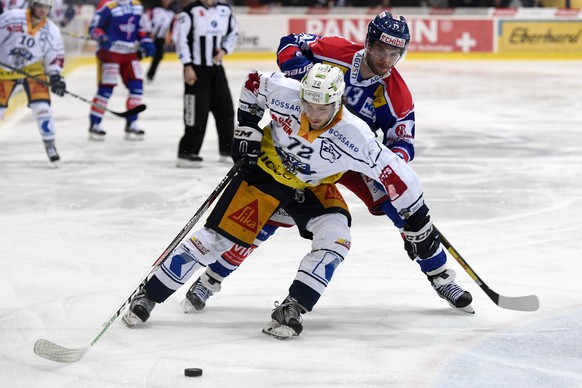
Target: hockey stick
(78, 36)
(127, 113)
(519, 303)
(51, 351)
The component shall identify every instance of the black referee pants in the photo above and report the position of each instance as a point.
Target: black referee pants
(209, 94)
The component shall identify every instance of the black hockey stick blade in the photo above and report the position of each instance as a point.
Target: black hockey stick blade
(130, 112)
(518, 303)
(51, 351)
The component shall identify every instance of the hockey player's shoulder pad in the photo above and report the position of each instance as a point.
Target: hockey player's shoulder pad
(399, 94)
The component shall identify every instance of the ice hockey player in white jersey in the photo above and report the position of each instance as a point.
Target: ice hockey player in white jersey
(32, 43)
(293, 163)
(60, 13)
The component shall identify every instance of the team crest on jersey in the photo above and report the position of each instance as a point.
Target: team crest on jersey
(247, 216)
(20, 56)
(328, 152)
(129, 27)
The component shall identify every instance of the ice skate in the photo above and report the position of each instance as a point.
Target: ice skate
(139, 310)
(189, 161)
(133, 132)
(286, 320)
(51, 151)
(202, 289)
(96, 133)
(445, 286)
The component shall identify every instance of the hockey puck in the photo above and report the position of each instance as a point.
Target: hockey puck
(192, 372)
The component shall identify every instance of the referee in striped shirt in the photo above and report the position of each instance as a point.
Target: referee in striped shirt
(206, 32)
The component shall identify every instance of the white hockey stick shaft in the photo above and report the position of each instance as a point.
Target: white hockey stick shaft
(51, 351)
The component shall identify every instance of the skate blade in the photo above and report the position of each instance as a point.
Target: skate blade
(181, 163)
(188, 307)
(278, 331)
(95, 137)
(467, 309)
(130, 136)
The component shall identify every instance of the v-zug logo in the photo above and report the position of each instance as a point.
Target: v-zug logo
(328, 152)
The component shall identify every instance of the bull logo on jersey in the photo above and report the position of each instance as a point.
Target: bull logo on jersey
(20, 56)
(129, 27)
(328, 152)
(252, 83)
(394, 185)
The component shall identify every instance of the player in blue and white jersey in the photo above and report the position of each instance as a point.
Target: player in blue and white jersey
(117, 27)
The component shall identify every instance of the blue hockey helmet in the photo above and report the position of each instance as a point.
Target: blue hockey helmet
(389, 29)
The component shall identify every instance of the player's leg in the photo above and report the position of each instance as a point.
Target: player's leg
(221, 236)
(423, 245)
(107, 79)
(132, 77)
(326, 221)
(39, 103)
(433, 265)
(6, 89)
(210, 281)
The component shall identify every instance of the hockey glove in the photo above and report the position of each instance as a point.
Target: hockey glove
(296, 67)
(58, 85)
(247, 144)
(420, 240)
(104, 42)
(148, 47)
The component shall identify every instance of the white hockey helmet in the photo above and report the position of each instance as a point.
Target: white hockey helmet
(48, 3)
(323, 84)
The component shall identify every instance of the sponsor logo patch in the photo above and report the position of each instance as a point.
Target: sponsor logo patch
(247, 216)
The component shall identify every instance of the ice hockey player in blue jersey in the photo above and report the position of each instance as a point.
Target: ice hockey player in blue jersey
(117, 27)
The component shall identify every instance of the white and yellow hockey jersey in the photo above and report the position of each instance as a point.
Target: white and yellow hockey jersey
(299, 157)
(36, 51)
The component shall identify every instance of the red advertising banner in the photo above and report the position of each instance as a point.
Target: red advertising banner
(427, 34)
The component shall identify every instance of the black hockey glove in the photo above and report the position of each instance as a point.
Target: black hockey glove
(420, 240)
(247, 144)
(58, 85)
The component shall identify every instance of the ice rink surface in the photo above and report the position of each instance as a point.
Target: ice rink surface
(499, 152)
